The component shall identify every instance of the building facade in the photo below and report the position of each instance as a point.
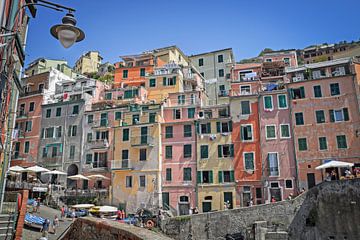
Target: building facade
(88, 63)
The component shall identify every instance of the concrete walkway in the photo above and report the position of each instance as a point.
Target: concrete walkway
(46, 212)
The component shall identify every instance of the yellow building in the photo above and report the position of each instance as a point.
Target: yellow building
(215, 152)
(88, 62)
(136, 169)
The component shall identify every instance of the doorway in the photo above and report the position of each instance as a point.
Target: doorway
(184, 205)
(311, 180)
(206, 206)
(228, 197)
(275, 191)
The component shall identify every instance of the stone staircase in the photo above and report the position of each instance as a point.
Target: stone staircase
(7, 226)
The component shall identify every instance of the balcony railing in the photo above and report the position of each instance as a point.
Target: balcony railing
(142, 141)
(30, 93)
(99, 143)
(120, 164)
(24, 185)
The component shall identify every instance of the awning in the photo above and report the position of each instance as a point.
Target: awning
(334, 164)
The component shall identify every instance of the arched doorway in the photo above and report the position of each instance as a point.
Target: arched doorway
(71, 171)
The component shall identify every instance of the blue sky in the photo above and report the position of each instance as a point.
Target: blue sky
(119, 27)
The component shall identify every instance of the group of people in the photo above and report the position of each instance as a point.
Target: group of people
(46, 226)
(36, 205)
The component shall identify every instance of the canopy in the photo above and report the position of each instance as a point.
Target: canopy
(56, 172)
(98, 176)
(83, 206)
(103, 209)
(16, 169)
(334, 164)
(36, 169)
(78, 177)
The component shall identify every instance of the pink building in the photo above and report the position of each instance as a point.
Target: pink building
(179, 151)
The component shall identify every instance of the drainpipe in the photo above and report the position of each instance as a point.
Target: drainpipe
(263, 178)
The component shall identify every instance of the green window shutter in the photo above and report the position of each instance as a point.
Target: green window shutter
(242, 133)
(220, 177)
(208, 126)
(231, 150)
(164, 81)
(232, 178)
(211, 180)
(217, 127)
(199, 176)
(197, 126)
(331, 113)
(302, 92)
(292, 96)
(230, 126)
(346, 114)
(174, 78)
(220, 151)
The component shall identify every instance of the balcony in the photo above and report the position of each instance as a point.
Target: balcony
(120, 164)
(24, 185)
(99, 143)
(25, 94)
(142, 141)
(103, 123)
(21, 115)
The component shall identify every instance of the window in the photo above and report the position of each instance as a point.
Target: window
(168, 132)
(341, 141)
(225, 151)
(245, 107)
(298, 93)
(108, 96)
(72, 130)
(226, 176)
(90, 119)
(221, 73)
(44, 152)
(284, 131)
(339, 115)
(131, 93)
(302, 144)
(58, 131)
(181, 99)
(75, 109)
(282, 101)
(224, 127)
(187, 174)
(142, 72)
(168, 152)
(270, 131)
(48, 113)
(125, 73)
(168, 176)
(205, 128)
(187, 131)
(72, 152)
(334, 89)
(191, 112)
(320, 116)
(128, 180)
(322, 143)
(152, 117)
(22, 109)
(49, 132)
(287, 61)
(142, 181)
(125, 135)
(317, 91)
(27, 147)
(187, 150)
(41, 87)
(205, 176)
(117, 115)
(28, 126)
(89, 137)
(289, 183)
(169, 81)
(177, 114)
(249, 161)
(125, 158)
(268, 60)
(204, 151)
(152, 82)
(268, 103)
(89, 158)
(136, 118)
(299, 118)
(202, 74)
(220, 58)
(58, 112)
(31, 107)
(54, 152)
(201, 62)
(102, 135)
(273, 164)
(103, 119)
(142, 156)
(246, 133)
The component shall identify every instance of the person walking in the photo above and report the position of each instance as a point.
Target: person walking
(273, 200)
(34, 205)
(55, 223)
(62, 216)
(45, 228)
(38, 205)
(73, 215)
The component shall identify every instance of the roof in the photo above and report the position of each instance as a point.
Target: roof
(216, 51)
(318, 65)
(245, 66)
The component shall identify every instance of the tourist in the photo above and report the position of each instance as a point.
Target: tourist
(142, 217)
(225, 206)
(302, 190)
(251, 202)
(347, 173)
(273, 200)
(62, 212)
(55, 223)
(196, 210)
(328, 177)
(38, 205)
(333, 175)
(34, 205)
(73, 215)
(45, 228)
(119, 215)
(290, 197)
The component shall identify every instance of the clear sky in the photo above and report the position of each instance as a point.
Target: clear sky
(120, 27)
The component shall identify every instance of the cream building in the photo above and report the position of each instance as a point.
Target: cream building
(88, 62)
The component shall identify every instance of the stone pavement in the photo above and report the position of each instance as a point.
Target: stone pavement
(46, 212)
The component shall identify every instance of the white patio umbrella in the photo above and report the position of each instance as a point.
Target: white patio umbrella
(78, 177)
(334, 164)
(16, 169)
(36, 169)
(98, 176)
(55, 172)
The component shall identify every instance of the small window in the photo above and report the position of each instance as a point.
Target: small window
(152, 117)
(268, 103)
(108, 96)
(284, 131)
(117, 115)
(31, 107)
(72, 152)
(245, 107)
(89, 158)
(221, 73)
(168, 132)
(299, 118)
(142, 153)
(181, 99)
(341, 141)
(58, 112)
(302, 144)
(191, 112)
(317, 91)
(177, 114)
(320, 116)
(201, 62)
(187, 131)
(168, 174)
(28, 126)
(89, 137)
(225, 151)
(282, 101)
(202, 74)
(224, 127)
(270, 131)
(204, 151)
(152, 82)
(206, 177)
(142, 72)
(168, 152)
(54, 152)
(205, 128)
(289, 183)
(125, 135)
(135, 119)
(246, 133)
(187, 174)
(129, 181)
(75, 109)
(322, 143)
(298, 93)
(249, 161)
(90, 119)
(27, 147)
(334, 89)
(48, 113)
(220, 58)
(187, 150)
(287, 61)
(339, 115)
(142, 181)
(125, 73)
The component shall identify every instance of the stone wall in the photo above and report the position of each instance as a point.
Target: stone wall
(95, 228)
